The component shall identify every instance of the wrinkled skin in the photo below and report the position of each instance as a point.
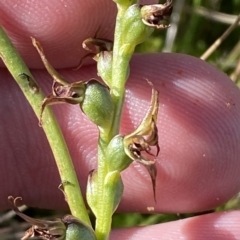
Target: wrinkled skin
(199, 131)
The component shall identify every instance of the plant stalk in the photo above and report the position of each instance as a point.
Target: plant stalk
(35, 96)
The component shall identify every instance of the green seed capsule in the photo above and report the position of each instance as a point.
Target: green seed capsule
(133, 27)
(117, 158)
(98, 104)
(77, 230)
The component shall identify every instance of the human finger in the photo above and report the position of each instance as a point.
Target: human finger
(60, 26)
(198, 134)
(219, 226)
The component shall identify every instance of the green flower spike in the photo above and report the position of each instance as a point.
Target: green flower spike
(157, 15)
(139, 144)
(67, 228)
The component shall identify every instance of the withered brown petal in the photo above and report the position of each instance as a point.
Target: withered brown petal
(157, 15)
(95, 46)
(72, 93)
(137, 145)
(152, 170)
(55, 75)
(146, 135)
(91, 55)
(44, 229)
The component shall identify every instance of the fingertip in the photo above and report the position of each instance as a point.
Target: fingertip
(61, 27)
(198, 133)
(219, 226)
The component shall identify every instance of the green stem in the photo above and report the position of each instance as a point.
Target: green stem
(119, 73)
(109, 193)
(119, 78)
(103, 226)
(34, 95)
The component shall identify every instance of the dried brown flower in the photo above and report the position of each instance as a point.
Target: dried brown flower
(157, 15)
(139, 144)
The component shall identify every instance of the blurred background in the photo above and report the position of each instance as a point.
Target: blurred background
(195, 26)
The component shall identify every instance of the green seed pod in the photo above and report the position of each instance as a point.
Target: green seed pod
(135, 31)
(77, 229)
(117, 157)
(98, 104)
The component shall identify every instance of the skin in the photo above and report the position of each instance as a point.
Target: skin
(198, 123)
